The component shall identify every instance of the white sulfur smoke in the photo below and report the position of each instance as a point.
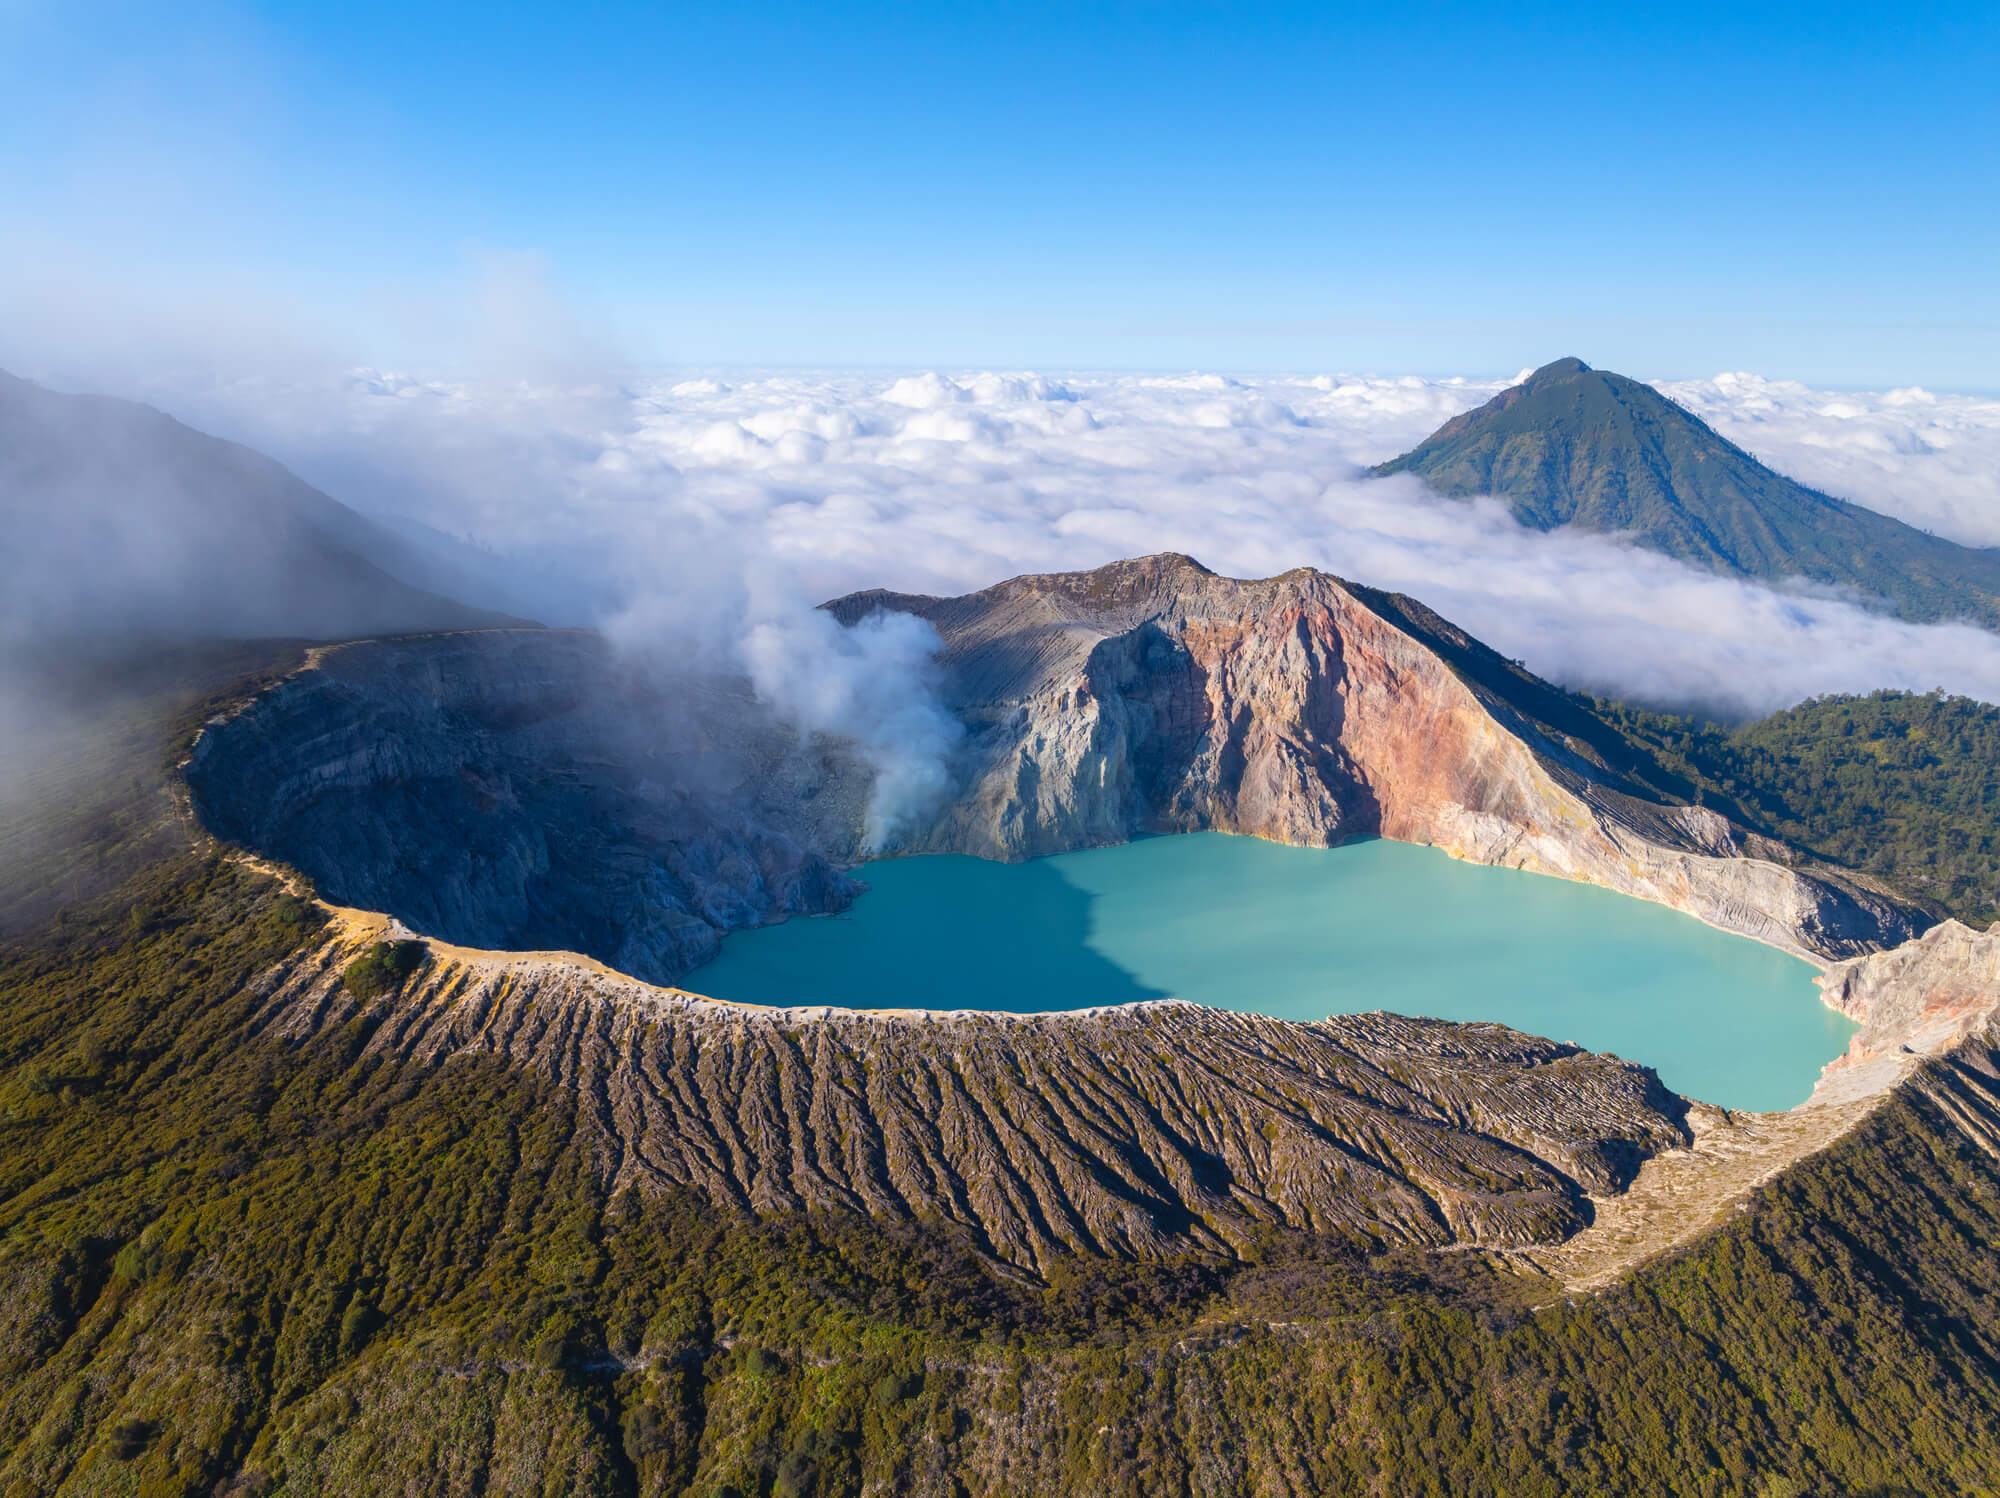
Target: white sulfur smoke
(874, 683)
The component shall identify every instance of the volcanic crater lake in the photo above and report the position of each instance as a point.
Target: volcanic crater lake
(1301, 933)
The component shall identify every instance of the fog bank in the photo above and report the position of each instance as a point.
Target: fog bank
(930, 482)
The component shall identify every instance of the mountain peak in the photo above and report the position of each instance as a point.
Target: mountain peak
(1607, 453)
(1560, 369)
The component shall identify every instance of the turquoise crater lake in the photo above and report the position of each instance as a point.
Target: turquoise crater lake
(1301, 933)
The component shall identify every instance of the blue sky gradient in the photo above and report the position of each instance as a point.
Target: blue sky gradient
(1809, 192)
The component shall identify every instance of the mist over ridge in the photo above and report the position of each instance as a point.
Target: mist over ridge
(125, 524)
(699, 518)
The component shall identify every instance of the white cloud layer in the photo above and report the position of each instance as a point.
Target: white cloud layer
(933, 483)
(1930, 460)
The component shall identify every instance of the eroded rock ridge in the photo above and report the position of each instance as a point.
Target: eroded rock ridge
(1146, 1130)
(1155, 696)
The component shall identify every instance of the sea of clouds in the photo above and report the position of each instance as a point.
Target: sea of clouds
(1930, 460)
(609, 499)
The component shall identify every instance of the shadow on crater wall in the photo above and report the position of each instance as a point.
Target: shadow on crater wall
(523, 790)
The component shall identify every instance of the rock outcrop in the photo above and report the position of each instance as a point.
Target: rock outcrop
(1933, 997)
(1155, 696)
(1146, 1130)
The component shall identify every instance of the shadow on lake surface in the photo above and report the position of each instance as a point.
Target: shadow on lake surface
(963, 933)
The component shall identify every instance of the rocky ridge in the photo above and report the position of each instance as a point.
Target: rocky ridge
(527, 789)
(1164, 1128)
(1144, 1130)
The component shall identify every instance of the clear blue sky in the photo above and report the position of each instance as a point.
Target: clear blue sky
(1810, 192)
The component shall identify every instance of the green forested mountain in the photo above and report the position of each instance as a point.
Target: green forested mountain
(1572, 445)
(1901, 785)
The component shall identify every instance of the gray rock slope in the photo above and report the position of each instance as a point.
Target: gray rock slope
(523, 789)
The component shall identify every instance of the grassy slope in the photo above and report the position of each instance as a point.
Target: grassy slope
(1580, 446)
(224, 1256)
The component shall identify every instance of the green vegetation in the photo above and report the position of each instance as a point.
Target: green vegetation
(1901, 785)
(1578, 446)
(382, 968)
(236, 1262)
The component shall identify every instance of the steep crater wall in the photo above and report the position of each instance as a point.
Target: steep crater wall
(1155, 696)
(525, 790)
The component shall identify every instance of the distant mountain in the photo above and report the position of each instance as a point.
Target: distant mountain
(122, 524)
(1572, 445)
